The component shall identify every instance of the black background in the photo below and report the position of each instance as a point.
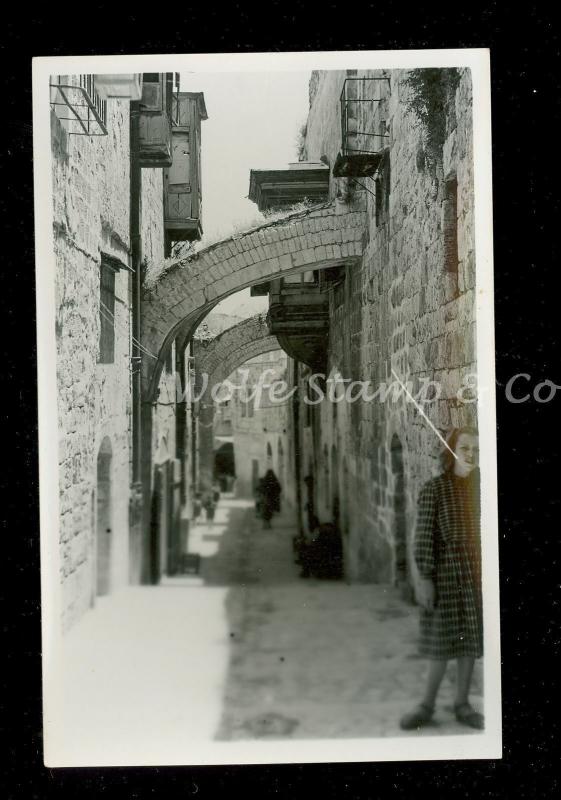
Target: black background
(525, 66)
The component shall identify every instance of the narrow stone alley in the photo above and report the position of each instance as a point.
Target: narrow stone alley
(313, 658)
(286, 352)
(245, 650)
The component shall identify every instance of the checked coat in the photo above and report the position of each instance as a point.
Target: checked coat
(447, 549)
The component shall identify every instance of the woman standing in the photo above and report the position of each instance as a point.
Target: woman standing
(447, 552)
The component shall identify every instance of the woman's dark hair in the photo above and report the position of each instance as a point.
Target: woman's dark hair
(447, 458)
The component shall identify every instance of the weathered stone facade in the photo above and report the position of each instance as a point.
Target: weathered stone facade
(401, 307)
(91, 223)
(164, 444)
(181, 295)
(399, 312)
(91, 217)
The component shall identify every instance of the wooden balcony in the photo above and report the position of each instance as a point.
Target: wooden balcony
(154, 127)
(154, 140)
(279, 189)
(299, 318)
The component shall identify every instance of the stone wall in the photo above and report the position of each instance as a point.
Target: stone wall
(91, 208)
(400, 310)
(91, 216)
(153, 252)
(260, 428)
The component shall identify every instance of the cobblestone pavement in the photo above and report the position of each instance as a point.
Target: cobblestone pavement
(313, 658)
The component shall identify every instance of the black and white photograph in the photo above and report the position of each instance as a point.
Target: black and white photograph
(267, 430)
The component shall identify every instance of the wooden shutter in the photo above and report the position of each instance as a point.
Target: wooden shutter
(106, 313)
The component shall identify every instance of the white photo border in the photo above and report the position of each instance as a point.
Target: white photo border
(486, 745)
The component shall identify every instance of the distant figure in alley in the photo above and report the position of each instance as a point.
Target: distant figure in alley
(268, 497)
(447, 552)
(210, 501)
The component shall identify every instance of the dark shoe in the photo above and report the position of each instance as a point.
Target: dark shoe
(467, 715)
(415, 719)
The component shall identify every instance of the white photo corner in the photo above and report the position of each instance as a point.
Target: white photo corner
(266, 408)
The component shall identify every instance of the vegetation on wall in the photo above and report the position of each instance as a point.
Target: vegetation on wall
(431, 99)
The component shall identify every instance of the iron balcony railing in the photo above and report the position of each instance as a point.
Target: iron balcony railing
(86, 111)
(364, 138)
(358, 111)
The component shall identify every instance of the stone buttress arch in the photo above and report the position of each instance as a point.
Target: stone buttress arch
(175, 300)
(234, 346)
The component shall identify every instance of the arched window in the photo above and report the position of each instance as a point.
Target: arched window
(104, 524)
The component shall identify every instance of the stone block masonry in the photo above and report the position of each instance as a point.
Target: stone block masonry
(405, 308)
(91, 194)
(400, 310)
(91, 217)
(170, 304)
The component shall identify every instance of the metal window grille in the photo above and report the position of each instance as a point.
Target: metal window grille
(79, 104)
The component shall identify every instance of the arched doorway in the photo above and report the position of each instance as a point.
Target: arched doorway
(225, 466)
(310, 506)
(399, 525)
(104, 524)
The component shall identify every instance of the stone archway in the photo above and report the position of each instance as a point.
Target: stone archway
(217, 360)
(233, 347)
(175, 301)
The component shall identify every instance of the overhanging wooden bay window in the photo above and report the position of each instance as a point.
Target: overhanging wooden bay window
(154, 122)
(182, 180)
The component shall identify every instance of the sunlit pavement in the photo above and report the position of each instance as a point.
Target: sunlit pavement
(315, 658)
(146, 666)
(245, 650)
